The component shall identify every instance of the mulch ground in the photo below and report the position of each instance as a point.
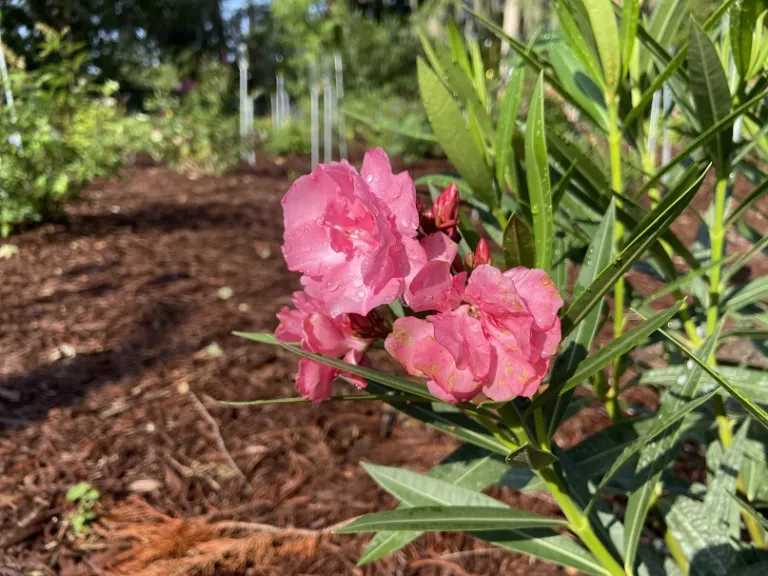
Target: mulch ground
(115, 350)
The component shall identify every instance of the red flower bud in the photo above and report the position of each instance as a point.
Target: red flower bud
(446, 208)
(482, 253)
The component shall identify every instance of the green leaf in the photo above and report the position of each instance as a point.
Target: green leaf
(746, 203)
(759, 518)
(443, 181)
(753, 409)
(702, 139)
(660, 425)
(450, 519)
(461, 85)
(79, 492)
(721, 486)
(630, 14)
(531, 458)
(641, 238)
(593, 364)
(478, 70)
(711, 94)
(742, 259)
(448, 420)
(467, 467)
(505, 127)
(529, 58)
(759, 569)
(573, 75)
(704, 544)
(537, 173)
(383, 378)
(578, 343)
(755, 291)
(743, 17)
(518, 244)
(560, 265)
(458, 49)
(753, 383)
(655, 456)
(663, 26)
(567, 16)
(419, 490)
(451, 130)
(606, 36)
(389, 126)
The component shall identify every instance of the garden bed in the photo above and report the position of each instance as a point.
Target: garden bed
(116, 348)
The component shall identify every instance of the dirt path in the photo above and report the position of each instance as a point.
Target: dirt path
(115, 345)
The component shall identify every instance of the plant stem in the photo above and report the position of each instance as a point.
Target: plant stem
(617, 185)
(578, 522)
(676, 551)
(717, 236)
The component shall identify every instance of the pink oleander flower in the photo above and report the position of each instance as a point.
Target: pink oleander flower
(353, 235)
(498, 342)
(433, 287)
(310, 324)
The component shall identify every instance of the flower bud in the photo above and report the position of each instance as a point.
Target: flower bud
(483, 253)
(446, 208)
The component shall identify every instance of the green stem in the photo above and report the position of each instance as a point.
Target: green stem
(717, 237)
(579, 522)
(617, 185)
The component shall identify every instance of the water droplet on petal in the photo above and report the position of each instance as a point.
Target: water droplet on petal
(369, 178)
(360, 294)
(357, 282)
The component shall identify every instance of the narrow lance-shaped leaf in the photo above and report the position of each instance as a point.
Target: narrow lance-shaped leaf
(577, 344)
(660, 426)
(576, 80)
(663, 26)
(450, 519)
(742, 20)
(467, 467)
(593, 364)
(420, 490)
(458, 49)
(753, 409)
(519, 246)
(537, 172)
(641, 238)
(701, 140)
(630, 14)
(606, 36)
(655, 456)
(453, 135)
(711, 95)
(505, 128)
(566, 17)
(755, 291)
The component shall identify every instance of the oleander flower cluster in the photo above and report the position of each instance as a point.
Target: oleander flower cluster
(363, 240)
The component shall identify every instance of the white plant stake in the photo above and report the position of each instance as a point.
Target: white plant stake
(280, 82)
(242, 62)
(666, 149)
(653, 128)
(340, 105)
(328, 102)
(314, 113)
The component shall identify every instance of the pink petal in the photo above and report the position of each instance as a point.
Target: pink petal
(462, 335)
(433, 289)
(492, 293)
(323, 336)
(511, 375)
(436, 363)
(357, 358)
(539, 294)
(289, 329)
(313, 380)
(396, 191)
(407, 334)
(438, 246)
(546, 342)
